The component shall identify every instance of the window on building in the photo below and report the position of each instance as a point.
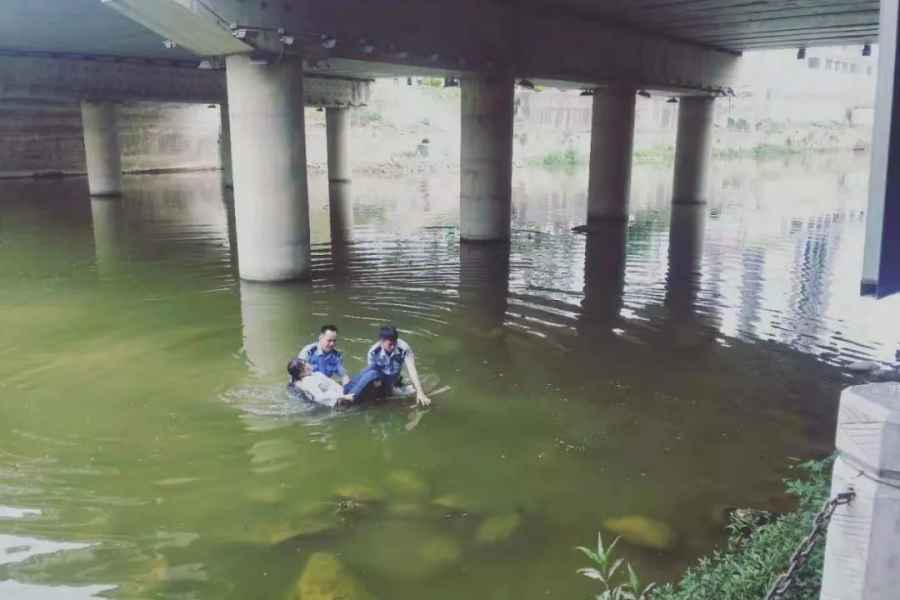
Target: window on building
(853, 67)
(829, 64)
(845, 66)
(815, 62)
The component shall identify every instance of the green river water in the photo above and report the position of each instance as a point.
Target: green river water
(148, 448)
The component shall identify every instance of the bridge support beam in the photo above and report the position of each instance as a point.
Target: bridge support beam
(337, 138)
(268, 145)
(486, 158)
(693, 150)
(612, 142)
(103, 153)
(881, 259)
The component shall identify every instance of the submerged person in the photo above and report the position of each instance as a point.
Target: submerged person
(324, 357)
(316, 387)
(382, 375)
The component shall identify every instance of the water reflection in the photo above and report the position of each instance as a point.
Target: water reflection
(273, 317)
(110, 226)
(693, 318)
(604, 274)
(341, 223)
(484, 286)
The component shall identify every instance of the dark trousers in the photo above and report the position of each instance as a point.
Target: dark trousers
(363, 383)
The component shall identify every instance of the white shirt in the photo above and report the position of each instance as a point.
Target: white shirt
(320, 389)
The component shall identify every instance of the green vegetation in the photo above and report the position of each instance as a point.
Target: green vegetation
(655, 154)
(558, 159)
(761, 151)
(365, 116)
(605, 569)
(756, 554)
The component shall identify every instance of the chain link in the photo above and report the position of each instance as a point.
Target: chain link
(801, 556)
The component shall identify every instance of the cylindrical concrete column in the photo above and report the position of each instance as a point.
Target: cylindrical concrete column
(862, 556)
(693, 149)
(612, 142)
(337, 139)
(268, 150)
(486, 159)
(225, 146)
(101, 147)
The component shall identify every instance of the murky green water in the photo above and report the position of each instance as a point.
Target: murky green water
(148, 449)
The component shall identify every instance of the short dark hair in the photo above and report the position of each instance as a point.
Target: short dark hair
(389, 332)
(295, 367)
(328, 328)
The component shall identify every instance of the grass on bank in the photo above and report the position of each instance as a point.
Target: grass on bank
(571, 158)
(755, 557)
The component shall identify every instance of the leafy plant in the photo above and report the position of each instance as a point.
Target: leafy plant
(605, 570)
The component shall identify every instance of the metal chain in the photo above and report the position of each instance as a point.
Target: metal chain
(801, 556)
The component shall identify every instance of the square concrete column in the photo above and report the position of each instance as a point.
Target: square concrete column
(102, 150)
(268, 150)
(486, 158)
(337, 139)
(225, 147)
(862, 554)
(612, 142)
(693, 150)
(881, 259)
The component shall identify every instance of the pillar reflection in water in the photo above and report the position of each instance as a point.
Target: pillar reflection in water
(273, 324)
(604, 274)
(231, 218)
(686, 235)
(484, 286)
(109, 218)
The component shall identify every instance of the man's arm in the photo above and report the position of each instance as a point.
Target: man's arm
(421, 398)
(342, 371)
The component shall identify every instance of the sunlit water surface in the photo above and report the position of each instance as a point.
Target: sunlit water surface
(148, 448)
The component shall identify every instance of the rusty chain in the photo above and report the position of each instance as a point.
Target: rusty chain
(801, 556)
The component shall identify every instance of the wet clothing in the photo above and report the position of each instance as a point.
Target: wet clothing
(319, 389)
(390, 365)
(362, 385)
(327, 363)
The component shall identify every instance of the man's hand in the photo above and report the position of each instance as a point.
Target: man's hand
(422, 399)
(345, 380)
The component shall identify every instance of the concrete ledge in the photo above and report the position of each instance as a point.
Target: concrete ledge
(35, 78)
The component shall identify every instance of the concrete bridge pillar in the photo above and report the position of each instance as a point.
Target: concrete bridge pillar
(881, 259)
(486, 158)
(268, 147)
(103, 154)
(337, 138)
(612, 142)
(225, 147)
(693, 149)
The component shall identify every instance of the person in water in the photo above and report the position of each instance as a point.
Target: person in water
(315, 386)
(323, 357)
(382, 374)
